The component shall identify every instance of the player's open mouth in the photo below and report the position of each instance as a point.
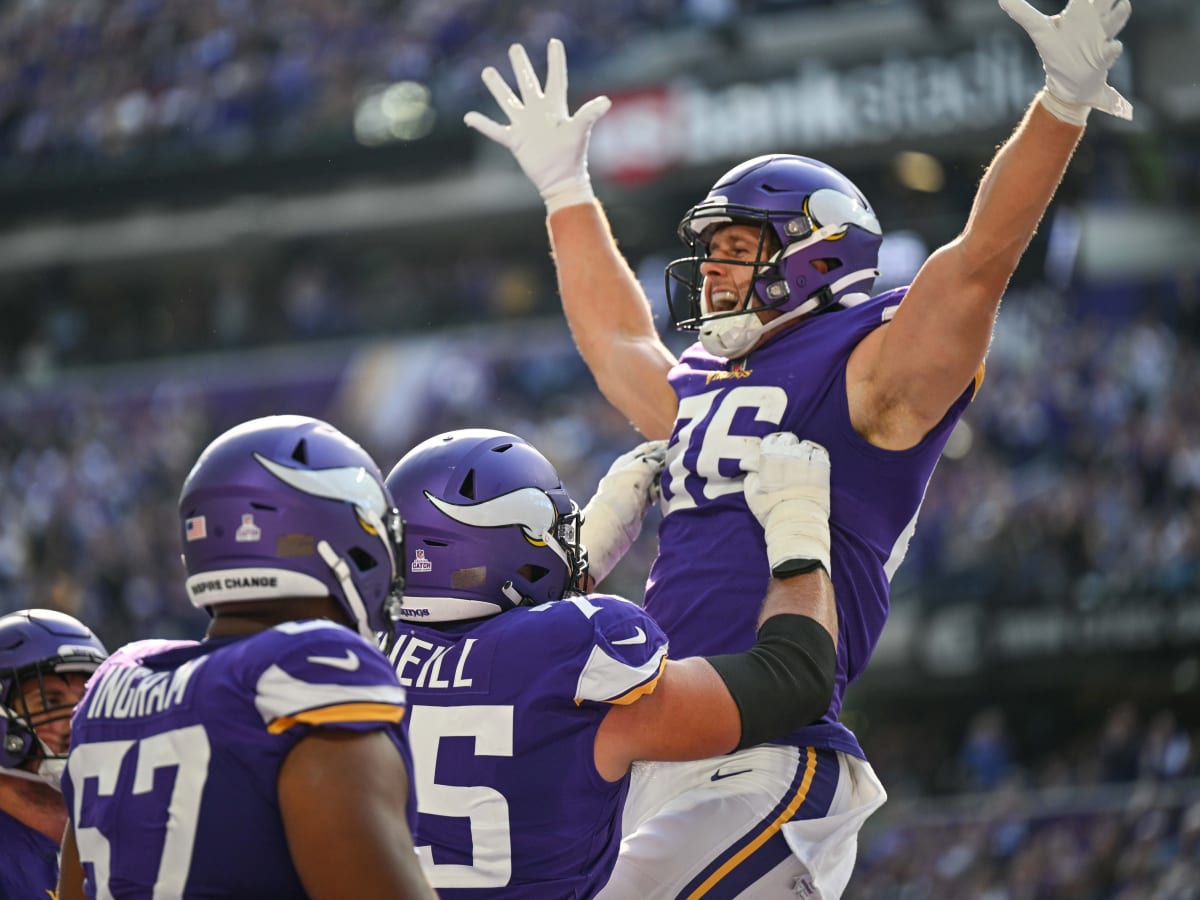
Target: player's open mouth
(723, 301)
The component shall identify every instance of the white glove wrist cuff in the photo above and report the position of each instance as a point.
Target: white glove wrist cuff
(798, 528)
(606, 538)
(570, 193)
(1072, 113)
(800, 544)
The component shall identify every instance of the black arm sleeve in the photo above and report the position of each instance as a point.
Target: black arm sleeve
(784, 682)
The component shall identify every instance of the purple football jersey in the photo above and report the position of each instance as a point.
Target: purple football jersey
(504, 714)
(28, 861)
(176, 747)
(707, 584)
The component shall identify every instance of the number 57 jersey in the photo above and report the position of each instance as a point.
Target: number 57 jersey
(504, 713)
(171, 782)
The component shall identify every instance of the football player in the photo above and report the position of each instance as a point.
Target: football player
(528, 708)
(269, 759)
(783, 252)
(45, 659)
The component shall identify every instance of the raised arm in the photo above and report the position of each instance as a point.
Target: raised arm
(612, 519)
(904, 377)
(608, 313)
(706, 707)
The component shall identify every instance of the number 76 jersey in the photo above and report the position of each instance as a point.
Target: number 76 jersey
(504, 714)
(171, 782)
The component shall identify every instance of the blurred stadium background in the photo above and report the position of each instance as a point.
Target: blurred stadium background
(216, 209)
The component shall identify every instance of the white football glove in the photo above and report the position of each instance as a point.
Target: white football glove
(548, 142)
(612, 519)
(1078, 47)
(787, 489)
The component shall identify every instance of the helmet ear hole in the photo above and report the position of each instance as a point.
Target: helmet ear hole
(533, 574)
(363, 560)
(830, 263)
(300, 452)
(467, 489)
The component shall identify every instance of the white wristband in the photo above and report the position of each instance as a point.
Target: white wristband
(571, 193)
(1072, 113)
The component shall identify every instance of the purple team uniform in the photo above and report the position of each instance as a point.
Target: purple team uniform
(201, 730)
(707, 583)
(504, 713)
(30, 861)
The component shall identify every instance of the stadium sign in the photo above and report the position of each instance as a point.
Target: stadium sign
(822, 104)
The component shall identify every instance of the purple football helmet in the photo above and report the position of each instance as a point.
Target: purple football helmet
(489, 527)
(35, 643)
(805, 210)
(288, 506)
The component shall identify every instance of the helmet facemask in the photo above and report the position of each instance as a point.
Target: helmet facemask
(690, 302)
(37, 647)
(828, 235)
(22, 746)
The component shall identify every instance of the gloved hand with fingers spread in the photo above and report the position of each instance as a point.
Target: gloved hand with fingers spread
(548, 142)
(612, 519)
(1078, 47)
(787, 489)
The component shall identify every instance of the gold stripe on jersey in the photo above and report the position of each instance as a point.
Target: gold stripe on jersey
(279, 695)
(767, 833)
(605, 679)
(641, 690)
(330, 715)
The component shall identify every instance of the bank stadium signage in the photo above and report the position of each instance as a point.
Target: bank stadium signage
(820, 105)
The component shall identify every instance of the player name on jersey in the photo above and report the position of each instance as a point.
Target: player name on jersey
(129, 692)
(420, 663)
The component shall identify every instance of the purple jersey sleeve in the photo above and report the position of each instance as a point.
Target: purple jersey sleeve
(627, 655)
(331, 679)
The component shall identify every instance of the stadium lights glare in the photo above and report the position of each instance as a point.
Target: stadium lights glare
(398, 112)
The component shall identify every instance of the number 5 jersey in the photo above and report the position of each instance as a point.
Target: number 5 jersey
(504, 713)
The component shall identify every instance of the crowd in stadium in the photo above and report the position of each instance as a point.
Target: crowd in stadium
(1112, 812)
(153, 78)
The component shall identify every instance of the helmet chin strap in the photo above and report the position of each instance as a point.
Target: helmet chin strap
(515, 597)
(342, 571)
(732, 336)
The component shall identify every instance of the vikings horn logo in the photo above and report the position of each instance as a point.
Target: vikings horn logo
(345, 483)
(529, 508)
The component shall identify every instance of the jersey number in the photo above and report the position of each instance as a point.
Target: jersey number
(706, 421)
(184, 749)
(491, 841)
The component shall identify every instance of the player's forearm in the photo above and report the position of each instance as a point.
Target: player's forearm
(1015, 193)
(70, 874)
(600, 293)
(611, 320)
(809, 595)
(785, 681)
